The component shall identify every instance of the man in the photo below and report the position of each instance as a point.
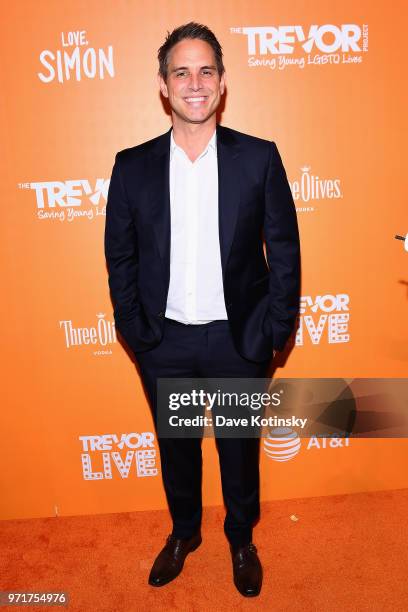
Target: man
(193, 294)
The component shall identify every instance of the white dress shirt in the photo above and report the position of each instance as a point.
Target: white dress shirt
(196, 293)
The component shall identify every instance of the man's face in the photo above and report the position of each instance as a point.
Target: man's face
(193, 86)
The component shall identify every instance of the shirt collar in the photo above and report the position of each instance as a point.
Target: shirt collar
(212, 144)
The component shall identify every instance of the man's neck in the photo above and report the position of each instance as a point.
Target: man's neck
(193, 137)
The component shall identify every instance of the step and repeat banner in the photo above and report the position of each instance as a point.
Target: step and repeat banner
(326, 82)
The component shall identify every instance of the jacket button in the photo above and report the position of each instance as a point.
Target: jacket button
(161, 315)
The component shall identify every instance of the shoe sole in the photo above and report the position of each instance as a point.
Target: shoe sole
(160, 584)
(248, 594)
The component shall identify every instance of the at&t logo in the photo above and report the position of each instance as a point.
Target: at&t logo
(283, 444)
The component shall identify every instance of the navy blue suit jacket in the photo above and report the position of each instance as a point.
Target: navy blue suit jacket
(255, 203)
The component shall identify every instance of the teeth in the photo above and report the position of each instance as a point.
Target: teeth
(195, 99)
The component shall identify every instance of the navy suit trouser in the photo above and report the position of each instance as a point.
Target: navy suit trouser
(204, 351)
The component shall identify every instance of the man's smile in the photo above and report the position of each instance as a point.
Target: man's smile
(196, 100)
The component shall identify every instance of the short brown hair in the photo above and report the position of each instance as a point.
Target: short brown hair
(189, 30)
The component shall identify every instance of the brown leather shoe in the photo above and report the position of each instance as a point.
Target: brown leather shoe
(247, 570)
(170, 560)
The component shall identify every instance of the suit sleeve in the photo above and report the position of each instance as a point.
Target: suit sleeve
(121, 253)
(283, 252)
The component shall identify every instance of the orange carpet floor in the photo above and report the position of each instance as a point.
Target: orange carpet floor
(345, 552)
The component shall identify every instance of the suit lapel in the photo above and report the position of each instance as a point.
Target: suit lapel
(228, 193)
(160, 197)
(228, 190)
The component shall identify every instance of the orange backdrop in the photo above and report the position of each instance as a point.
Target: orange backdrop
(323, 80)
